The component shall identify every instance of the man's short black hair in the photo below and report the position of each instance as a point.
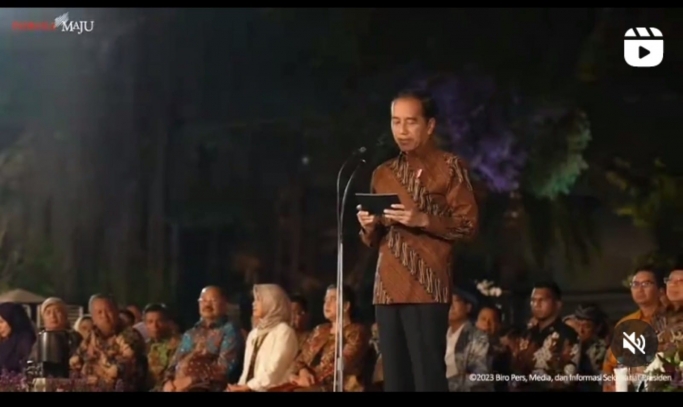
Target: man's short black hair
(550, 286)
(301, 300)
(156, 307)
(429, 110)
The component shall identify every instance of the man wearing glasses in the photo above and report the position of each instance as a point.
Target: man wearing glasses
(646, 289)
(669, 321)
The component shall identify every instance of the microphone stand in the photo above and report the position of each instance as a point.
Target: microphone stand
(338, 385)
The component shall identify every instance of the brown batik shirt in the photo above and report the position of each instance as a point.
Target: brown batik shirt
(414, 263)
(317, 355)
(117, 359)
(668, 323)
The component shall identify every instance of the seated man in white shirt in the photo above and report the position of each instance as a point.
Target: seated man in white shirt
(272, 345)
(468, 358)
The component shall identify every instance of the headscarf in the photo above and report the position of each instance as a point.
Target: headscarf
(84, 317)
(276, 306)
(15, 350)
(59, 303)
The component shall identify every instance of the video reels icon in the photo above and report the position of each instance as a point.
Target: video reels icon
(643, 47)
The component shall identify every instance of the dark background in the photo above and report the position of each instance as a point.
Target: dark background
(169, 149)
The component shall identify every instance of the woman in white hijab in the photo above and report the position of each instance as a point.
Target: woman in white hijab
(272, 345)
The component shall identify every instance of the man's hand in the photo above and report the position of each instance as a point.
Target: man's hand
(75, 363)
(411, 218)
(306, 379)
(367, 221)
(169, 387)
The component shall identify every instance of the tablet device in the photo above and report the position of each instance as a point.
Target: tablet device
(375, 204)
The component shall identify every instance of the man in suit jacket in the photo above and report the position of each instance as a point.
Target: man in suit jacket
(468, 354)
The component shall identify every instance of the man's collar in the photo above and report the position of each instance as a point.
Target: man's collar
(213, 324)
(422, 151)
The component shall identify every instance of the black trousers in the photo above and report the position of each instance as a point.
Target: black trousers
(412, 340)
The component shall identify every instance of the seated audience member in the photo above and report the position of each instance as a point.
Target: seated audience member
(300, 318)
(208, 353)
(490, 321)
(549, 346)
(112, 354)
(272, 345)
(55, 317)
(83, 325)
(468, 352)
(161, 343)
(314, 367)
(590, 321)
(16, 337)
(646, 288)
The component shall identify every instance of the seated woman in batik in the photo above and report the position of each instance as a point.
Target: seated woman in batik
(314, 367)
(271, 345)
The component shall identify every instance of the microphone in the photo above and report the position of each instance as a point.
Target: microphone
(338, 385)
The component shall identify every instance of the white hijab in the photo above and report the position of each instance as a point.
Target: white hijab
(275, 304)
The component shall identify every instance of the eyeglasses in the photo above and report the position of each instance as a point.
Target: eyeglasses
(641, 284)
(203, 301)
(673, 281)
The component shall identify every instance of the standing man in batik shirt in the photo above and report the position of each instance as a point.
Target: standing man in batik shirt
(161, 344)
(415, 238)
(209, 353)
(111, 354)
(549, 347)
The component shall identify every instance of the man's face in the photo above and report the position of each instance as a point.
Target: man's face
(488, 321)
(644, 290)
(674, 286)
(105, 316)
(543, 304)
(408, 124)
(54, 318)
(459, 309)
(299, 317)
(585, 329)
(211, 304)
(157, 325)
